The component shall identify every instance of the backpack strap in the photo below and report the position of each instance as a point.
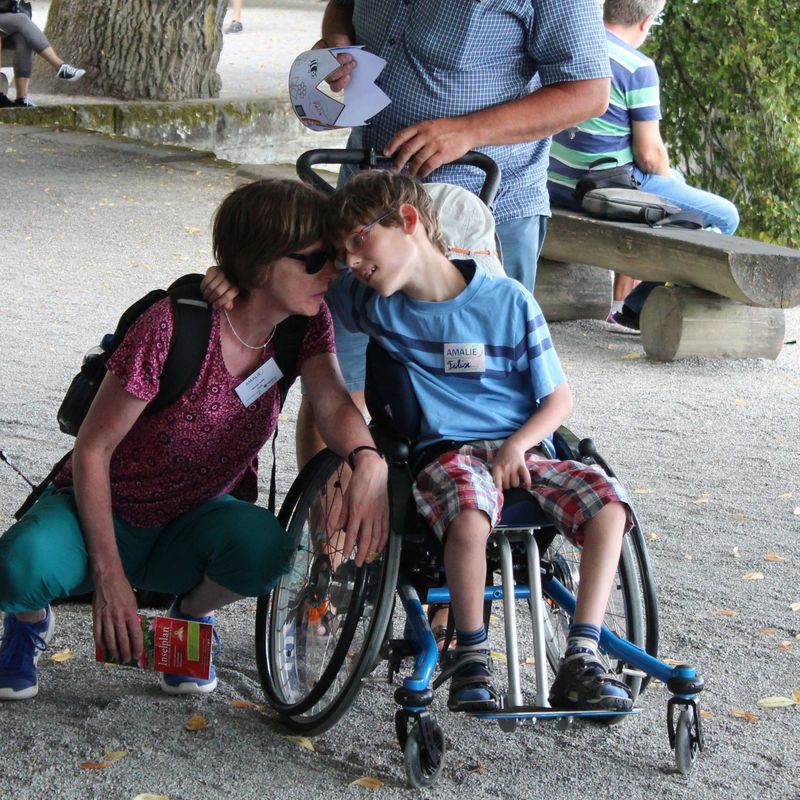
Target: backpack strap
(288, 340)
(190, 340)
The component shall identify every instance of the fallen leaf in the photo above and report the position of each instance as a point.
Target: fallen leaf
(766, 631)
(148, 796)
(194, 230)
(701, 500)
(787, 496)
(773, 557)
(775, 702)
(753, 576)
(794, 606)
(796, 696)
(785, 646)
(652, 537)
(247, 704)
(634, 354)
(735, 552)
(706, 714)
(739, 402)
(673, 662)
(530, 661)
(746, 715)
(725, 612)
(62, 655)
(302, 741)
(95, 764)
(251, 608)
(367, 782)
(498, 656)
(478, 769)
(115, 755)
(196, 722)
(643, 491)
(740, 517)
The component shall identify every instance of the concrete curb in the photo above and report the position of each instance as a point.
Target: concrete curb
(261, 131)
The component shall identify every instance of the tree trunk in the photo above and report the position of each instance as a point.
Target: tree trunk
(136, 49)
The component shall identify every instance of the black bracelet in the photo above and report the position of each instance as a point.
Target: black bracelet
(351, 456)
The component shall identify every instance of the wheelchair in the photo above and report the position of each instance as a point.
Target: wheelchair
(328, 625)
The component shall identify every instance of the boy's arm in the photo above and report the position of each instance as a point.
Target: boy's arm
(509, 469)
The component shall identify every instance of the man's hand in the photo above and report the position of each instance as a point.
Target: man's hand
(425, 146)
(217, 290)
(509, 469)
(115, 619)
(365, 508)
(338, 79)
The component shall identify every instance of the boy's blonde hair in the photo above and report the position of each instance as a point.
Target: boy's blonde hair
(371, 193)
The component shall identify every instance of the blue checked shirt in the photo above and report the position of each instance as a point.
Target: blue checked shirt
(446, 58)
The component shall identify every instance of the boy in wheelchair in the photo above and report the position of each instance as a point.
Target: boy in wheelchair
(492, 392)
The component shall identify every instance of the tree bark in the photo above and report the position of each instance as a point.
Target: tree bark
(136, 49)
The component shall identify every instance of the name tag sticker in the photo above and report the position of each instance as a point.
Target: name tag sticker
(464, 357)
(258, 382)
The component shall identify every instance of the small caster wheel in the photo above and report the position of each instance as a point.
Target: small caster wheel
(564, 723)
(507, 724)
(687, 740)
(424, 756)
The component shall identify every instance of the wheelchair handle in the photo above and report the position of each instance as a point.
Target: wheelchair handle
(369, 159)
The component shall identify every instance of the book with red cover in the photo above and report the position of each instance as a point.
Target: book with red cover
(177, 646)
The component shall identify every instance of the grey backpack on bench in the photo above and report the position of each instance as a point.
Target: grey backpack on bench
(634, 205)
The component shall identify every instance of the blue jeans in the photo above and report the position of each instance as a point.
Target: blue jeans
(717, 211)
(521, 242)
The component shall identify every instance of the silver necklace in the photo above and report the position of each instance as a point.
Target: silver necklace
(242, 341)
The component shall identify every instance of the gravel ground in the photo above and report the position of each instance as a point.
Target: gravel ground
(708, 447)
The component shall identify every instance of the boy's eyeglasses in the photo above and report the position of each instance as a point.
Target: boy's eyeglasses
(355, 241)
(315, 261)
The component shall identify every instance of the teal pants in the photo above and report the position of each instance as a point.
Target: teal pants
(238, 545)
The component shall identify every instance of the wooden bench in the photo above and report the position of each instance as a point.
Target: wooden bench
(729, 300)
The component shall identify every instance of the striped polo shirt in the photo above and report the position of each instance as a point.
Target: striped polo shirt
(634, 98)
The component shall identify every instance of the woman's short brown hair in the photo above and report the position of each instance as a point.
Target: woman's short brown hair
(261, 222)
(371, 193)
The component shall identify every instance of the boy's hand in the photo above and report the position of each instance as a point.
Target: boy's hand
(217, 290)
(509, 469)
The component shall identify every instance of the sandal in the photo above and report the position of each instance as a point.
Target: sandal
(470, 676)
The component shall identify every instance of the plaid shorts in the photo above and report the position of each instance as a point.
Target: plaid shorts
(569, 492)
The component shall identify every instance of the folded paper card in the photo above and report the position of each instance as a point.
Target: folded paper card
(320, 111)
(177, 646)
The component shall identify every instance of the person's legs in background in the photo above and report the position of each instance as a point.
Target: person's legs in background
(236, 17)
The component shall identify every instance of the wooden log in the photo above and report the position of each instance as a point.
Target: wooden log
(748, 271)
(679, 322)
(572, 291)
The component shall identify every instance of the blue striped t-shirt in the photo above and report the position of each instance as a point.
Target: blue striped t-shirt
(634, 98)
(479, 363)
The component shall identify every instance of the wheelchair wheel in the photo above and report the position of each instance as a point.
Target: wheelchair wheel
(624, 615)
(424, 757)
(686, 741)
(320, 630)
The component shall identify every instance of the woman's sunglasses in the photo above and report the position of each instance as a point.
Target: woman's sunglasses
(315, 261)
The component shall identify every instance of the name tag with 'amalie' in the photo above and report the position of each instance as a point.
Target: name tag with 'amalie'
(464, 357)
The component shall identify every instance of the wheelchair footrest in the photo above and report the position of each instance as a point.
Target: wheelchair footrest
(537, 712)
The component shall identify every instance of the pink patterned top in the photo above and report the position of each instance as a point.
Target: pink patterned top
(204, 445)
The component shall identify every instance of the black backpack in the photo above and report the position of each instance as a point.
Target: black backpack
(190, 339)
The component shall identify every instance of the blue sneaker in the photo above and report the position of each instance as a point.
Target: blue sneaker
(183, 684)
(22, 644)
